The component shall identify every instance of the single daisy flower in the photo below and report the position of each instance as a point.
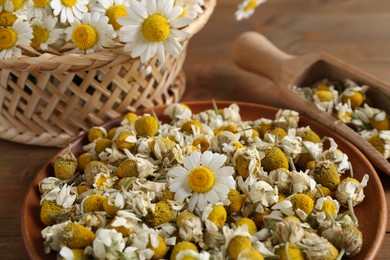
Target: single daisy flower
(247, 8)
(11, 38)
(152, 28)
(45, 32)
(91, 34)
(203, 179)
(113, 9)
(68, 10)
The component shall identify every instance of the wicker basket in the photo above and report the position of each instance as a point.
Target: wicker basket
(49, 99)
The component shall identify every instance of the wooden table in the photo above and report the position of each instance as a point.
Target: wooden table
(357, 31)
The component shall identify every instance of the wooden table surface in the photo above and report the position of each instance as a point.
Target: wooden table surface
(357, 31)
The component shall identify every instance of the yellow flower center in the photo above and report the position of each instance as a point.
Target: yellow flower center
(7, 19)
(84, 36)
(329, 207)
(201, 179)
(156, 28)
(40, 3)
(8, 38)
(40, 36)
(250, 6)
(113, 13)
(69, 3)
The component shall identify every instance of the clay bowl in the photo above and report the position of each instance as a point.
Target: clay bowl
(253, 52)
(371, 213)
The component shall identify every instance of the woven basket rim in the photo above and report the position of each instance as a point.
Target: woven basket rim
(50, 62)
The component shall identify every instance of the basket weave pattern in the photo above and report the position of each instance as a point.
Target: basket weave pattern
(49, 99)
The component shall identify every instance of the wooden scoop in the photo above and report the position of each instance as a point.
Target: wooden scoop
(253, 52)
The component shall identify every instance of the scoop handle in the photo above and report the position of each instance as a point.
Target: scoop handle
(253, 52)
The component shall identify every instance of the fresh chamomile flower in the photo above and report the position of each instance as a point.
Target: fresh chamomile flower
(203, 179)
(151, 28)
(45, 32)
(247, 8)
(191, 8)
(11, 38)
(113, 9)
(69, 10)
(90, 34)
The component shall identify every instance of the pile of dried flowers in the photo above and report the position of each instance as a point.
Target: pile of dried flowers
(147, 28)
(205, 186)
(347, 101)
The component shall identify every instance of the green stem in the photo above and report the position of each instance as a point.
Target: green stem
(352, 213)
(340, 256)
(319, 190)
(292, 165)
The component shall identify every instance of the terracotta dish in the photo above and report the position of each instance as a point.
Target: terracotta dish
(371, 213)
(253, 52)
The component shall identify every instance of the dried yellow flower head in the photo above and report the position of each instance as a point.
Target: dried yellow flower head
(356, 99)
(236, 201)
(252, 229)
(324, 95)
(65, 166)
(49, 212)
(258, 218)
(93, 203)
(92, 169)
(326, 174)
(146, 126)
(161, 250)
(251, 255)
(303, 202)
(274, 159)
(292, 252)
(218, 215)
(127, 168)
(239, 244)
(182, 246)
(161, 214)
(102, 144)
(187, 126)
(96, 133)
(81, 236)
(310, 135)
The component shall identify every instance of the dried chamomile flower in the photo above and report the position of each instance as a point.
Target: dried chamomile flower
(49, 183)
(326, 206)
(308, 135)
(302, 204)
(93, 202)
(344, 112)
(286, 119)
(287, 251)
(50, 211)
(192, 127)
(214, 216)
(280, 178)
(380, 121)
(84, 159)
(178, 111)
(162, 213)
(96, 132)
(301, 182)
(64, 196)
(146, 126)
(190, 226)
(102, 144)
(125, 139)
(125, 222)
(183, 247)
(129, 118)
(236, 240)
(287, 231)
(252, 229)
(317, 248)
(274, 159)
(350, 241)
(263, 126)
(108, 244)
(236, 201)
(326, 174)
(65, 166)
(250, 255)
(381, 142)
(246, 161)
(92, 169)
(159, 247)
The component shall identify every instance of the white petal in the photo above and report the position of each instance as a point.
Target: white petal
(192, 161)
(138, 9)
(181, 194)
(211, 196)
(180, 22)
(217, 162)
(151, 6)
(192, 202)
(174, 13)
(206, 159)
